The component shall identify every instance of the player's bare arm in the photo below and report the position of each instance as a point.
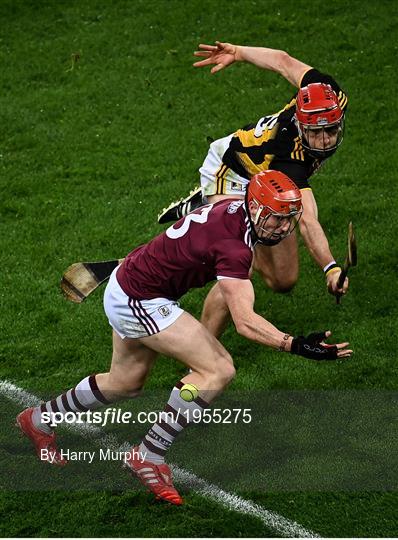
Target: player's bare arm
(317, 243)
(239, 296)
(224, 54)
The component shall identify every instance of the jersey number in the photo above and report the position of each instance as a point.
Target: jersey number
(196, 218)
(265, 123)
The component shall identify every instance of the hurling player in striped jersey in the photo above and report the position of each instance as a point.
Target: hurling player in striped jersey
(295, 140)
(141, 303)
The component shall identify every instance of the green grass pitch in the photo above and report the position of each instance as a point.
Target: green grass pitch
(103, 122)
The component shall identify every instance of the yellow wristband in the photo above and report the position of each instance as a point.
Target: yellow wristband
(334, 269)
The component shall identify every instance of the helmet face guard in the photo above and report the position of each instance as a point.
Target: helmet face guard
(276, 201)
(319, 119)
(322, 136)
(268, 223)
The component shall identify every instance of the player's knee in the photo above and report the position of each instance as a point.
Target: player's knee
(281, 284)
(229, 373)
(225, 370)
(219, 372)
(284, 286)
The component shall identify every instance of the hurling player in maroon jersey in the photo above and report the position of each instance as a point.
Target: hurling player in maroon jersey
(296, 140)
(141, 301)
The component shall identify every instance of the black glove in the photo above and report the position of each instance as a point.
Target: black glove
(311, 347)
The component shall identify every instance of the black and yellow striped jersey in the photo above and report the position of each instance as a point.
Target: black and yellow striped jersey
(274, 142)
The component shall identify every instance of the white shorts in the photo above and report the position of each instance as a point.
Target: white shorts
(134, 318)
(215, 177)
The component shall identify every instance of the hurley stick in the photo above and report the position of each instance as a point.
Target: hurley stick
(81, 279)
(350, 260)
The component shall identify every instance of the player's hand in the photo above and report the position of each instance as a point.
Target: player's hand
(220, 54)
(332, 285)
(313, 346)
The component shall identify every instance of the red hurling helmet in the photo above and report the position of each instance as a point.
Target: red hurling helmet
(272, 193)
(318, 114)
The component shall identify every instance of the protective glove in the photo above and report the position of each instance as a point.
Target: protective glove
(311, 347)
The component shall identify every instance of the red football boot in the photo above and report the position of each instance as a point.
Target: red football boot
(42, 441)
(156, 478)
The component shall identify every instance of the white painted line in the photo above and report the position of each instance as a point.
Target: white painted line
(280, 524)
(276, 522)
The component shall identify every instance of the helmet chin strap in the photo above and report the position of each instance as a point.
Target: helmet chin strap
(254, 236)
(268, 241)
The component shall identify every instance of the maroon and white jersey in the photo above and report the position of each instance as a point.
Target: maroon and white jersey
(213, 242)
